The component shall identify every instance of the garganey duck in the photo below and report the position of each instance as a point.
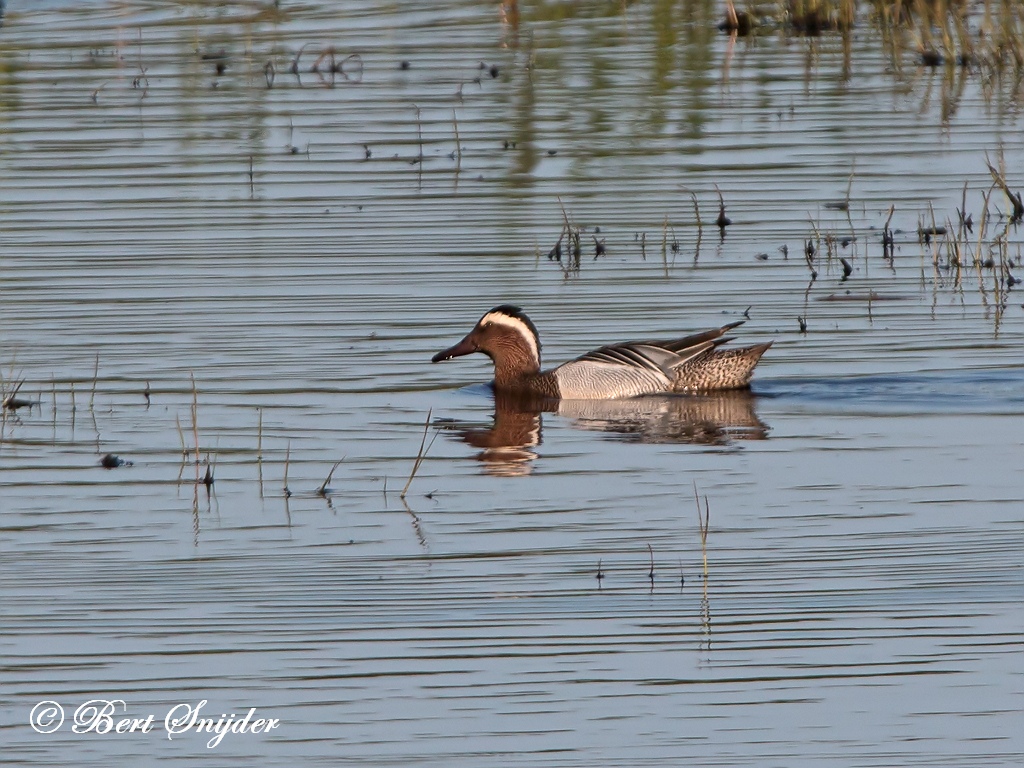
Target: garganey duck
(690, 364)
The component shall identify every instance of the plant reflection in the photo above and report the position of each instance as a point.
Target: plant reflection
(506, 447)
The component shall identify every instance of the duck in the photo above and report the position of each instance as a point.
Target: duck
(690, 364)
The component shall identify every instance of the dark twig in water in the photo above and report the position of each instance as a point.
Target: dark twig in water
(294, 68)
(259, 435)
(419, 133)
(208, 477)
(927, 234)
(195, 419)
(844, 204)
(650, 573)
(458, 142)
(184, 448)
(696, 210)
(287, 461)
(966, 220)
(575, 250)
(700, 227)
(555, 254)
(722, 221)
(888, 241)
(13, 403)
(322, 490)
(424, 447)
(999, 178)
(809, 258)
(705, 525)
(664, 244)
(95, 377)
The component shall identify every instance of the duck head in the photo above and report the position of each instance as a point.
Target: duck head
(508, 337)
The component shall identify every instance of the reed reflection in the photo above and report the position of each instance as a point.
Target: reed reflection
(506, 447)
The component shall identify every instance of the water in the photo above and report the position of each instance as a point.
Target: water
(162, 224)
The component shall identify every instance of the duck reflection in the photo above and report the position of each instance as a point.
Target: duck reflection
(506, 447)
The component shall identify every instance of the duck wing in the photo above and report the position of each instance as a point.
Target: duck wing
(623, 370)
(651, 356)
(633, 368)
(660, 355)
(715, 335)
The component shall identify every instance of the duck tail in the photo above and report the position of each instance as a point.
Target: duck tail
(719, 369)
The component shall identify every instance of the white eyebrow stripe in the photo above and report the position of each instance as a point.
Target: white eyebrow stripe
(518, 326)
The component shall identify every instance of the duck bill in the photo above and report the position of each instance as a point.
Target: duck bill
(465, 347)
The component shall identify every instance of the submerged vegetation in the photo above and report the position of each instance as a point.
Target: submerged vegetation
(988, 35)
